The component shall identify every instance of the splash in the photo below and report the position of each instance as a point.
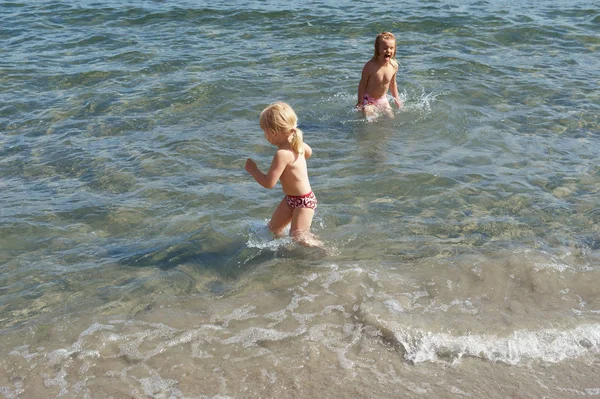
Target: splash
(260, 237)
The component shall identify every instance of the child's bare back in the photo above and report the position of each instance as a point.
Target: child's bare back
(294, 178)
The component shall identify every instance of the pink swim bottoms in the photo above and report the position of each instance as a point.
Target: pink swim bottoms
(378, 102)
(301, 201)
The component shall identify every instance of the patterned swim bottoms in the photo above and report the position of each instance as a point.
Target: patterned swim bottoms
(378, 102)
(301, 201)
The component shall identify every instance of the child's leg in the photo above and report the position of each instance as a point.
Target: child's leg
(369, 111)
(300, 229)
(280, 219)
(388, 111)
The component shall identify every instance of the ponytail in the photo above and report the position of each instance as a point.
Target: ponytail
(297, 142)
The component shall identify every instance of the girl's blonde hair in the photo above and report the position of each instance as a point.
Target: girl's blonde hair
(381, 37)
(281, 118)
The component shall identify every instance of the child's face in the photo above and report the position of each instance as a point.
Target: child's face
(387, 49)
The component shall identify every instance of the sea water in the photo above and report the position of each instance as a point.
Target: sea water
(463, 247)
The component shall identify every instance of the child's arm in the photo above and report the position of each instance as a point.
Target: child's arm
(394, 90)
(268, 180)
(362, 85)
(307, 151)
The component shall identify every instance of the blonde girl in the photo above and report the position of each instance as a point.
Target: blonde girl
(378, 76)
(280, 125)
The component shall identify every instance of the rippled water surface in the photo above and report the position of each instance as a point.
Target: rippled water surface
(463, 242)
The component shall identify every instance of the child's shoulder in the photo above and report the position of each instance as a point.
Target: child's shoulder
(370, 65)
(286, 155)
(371, 62)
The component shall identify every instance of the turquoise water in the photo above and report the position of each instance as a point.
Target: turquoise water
(463, 239)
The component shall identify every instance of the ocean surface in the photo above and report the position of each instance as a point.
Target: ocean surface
(462, 235)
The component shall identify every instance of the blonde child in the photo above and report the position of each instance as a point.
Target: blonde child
(379, 75)
(279, 123)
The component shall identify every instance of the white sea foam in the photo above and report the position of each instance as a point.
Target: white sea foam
(260, 237)
(549, 345)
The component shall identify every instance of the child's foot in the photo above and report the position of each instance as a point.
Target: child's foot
(308, 240)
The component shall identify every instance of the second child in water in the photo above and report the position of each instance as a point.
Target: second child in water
(279, 123)
(379, 76)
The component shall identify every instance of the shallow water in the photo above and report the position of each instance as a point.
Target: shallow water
(463, 241)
